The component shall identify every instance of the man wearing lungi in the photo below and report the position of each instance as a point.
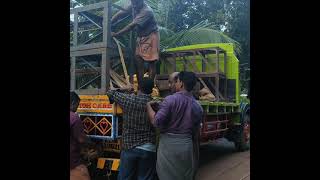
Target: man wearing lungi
(178, 119)
(147, 44)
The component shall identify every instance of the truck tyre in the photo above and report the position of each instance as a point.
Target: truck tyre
(242, 139)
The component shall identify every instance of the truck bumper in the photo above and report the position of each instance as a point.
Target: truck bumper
(108, 164)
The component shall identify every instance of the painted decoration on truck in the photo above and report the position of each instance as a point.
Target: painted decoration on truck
(97, 125)
(95, 103)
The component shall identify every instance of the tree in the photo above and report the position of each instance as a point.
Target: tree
(185, 22)
(239, 28)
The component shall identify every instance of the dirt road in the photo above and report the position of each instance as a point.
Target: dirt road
(219, 162)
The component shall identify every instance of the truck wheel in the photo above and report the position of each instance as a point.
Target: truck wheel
(242, 141)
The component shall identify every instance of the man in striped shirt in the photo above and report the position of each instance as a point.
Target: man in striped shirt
(138, 154)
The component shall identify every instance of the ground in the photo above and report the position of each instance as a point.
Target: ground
(219, 162)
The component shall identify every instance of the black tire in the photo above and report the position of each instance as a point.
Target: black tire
(242, 138)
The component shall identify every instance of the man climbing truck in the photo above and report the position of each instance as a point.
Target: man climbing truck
(96, 66)
(147, 44)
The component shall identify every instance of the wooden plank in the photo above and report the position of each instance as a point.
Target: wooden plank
(112, 82)
(107, 25)
(118, 76)
(217, 87)
(131, 58)
(87, 71)
(88, 41)
(115, 65)
(121, 78)
(88, 52)
(225, 63)
(211, 49)
(193, 61)
(111, 85)
(75, 30)
(122, 61)
(88, 46)
(184, 64)
(105, 80)
(218, 63)
(90, 92)
(73, 74)
(199, 75)
(204, 62)
(116, 80)
(118, 7)
(174, 63)
(89, 64)
(205, 75)
(89, 7)
(225, 79)
(217, 92)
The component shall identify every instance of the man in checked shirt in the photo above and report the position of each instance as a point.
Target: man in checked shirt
(138, 154)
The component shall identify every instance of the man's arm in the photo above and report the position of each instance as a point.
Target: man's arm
(125, 100)
(128, 88)
(82, 138)
(141, 19)
(129, 27)
(163, 114)
(117, 96)
(78, 132)
(121, 14)
(151, 113)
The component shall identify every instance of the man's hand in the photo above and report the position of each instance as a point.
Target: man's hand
(113, 34)
(113, 88)
(154, 105)
(150, 111)
(128, 87)
(154, 102)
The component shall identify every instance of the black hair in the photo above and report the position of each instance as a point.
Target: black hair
(189, 79)
(147, 85)
(175, 78)
(74, 100)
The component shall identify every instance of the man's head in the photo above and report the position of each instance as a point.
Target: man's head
(173, 77)
(147, 85)
(186, 81)
(137, 4)
(74, 101)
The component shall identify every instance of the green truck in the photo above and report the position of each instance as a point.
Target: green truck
(217, 69)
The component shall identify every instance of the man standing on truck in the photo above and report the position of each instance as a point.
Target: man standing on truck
(78, 171)
(178, 119)
(147, 44)
(138, 151)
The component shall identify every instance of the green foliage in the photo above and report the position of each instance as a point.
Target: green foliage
(187, 22)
